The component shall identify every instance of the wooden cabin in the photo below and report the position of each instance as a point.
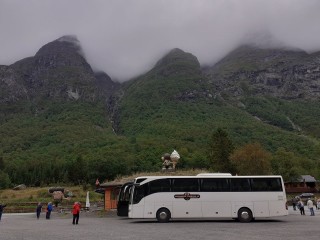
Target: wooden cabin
(304, 184)
(111, 192)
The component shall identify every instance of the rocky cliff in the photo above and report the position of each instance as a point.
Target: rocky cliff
(58, 70)
(281, 73)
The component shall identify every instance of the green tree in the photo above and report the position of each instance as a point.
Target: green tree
(1, 163)
(219, 150)
(4, 180)
(78, 172)
(252, 159)
(286, 164)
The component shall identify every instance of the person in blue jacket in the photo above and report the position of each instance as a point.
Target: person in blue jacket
(49, 210)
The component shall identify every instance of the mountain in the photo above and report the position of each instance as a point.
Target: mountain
(57, 71)
(10, 89)
(57, 114)
(52, 114)
(278, 86)
(268, 96)
(175, 80)
(280, 73)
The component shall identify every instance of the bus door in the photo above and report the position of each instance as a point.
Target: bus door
(123, 200)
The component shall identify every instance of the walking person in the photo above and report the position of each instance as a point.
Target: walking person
(310, 206)
(301, 207)
(76, 212)
(38, 210)
(49, 210)
(2, 206)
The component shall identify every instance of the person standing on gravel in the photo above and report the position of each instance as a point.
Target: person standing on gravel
(76, 212)
(38, 210)
(310, 206)
(2, 206)
(49, 210)
(301, 207)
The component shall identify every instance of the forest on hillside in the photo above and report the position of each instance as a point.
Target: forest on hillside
(43, 150)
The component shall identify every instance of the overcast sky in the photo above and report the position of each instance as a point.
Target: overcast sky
(125, 38)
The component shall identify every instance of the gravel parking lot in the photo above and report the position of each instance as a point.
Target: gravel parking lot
(95, 227)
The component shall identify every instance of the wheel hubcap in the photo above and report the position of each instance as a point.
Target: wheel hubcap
(163, 215)
(245, 215)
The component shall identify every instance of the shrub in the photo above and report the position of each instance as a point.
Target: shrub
(4, 180)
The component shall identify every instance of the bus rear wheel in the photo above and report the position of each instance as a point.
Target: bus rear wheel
(245, 215)
(163, 215)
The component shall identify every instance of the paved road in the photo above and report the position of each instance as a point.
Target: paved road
(95, 227)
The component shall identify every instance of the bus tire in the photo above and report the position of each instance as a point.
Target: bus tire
(245, 215)
(163, 215)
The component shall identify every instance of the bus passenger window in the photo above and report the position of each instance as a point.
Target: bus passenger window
(215, 185)
(266, 184)
(259, 185)
(185, 185)
(160, 185)
(275, 184)
(240, 185)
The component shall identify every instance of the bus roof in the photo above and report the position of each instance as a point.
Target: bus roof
(211, 175)
(214, 174)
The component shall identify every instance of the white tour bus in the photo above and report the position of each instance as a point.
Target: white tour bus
(208, 196)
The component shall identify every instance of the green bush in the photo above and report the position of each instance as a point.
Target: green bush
(4, 180)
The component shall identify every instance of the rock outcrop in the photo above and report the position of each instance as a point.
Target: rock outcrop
(281, 73)
(58, 70)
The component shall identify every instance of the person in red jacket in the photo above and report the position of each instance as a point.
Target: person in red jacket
(76, 212)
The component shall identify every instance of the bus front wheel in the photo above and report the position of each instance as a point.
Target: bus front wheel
(245, 215)
(163, 215)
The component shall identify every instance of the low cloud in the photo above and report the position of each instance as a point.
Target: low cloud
(125, 38)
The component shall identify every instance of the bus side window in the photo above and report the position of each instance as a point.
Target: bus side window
(215, 185)
(185, 185)
(275, 184)
(259, 184)
(266, 184)
(160, 185)
(240, 185)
